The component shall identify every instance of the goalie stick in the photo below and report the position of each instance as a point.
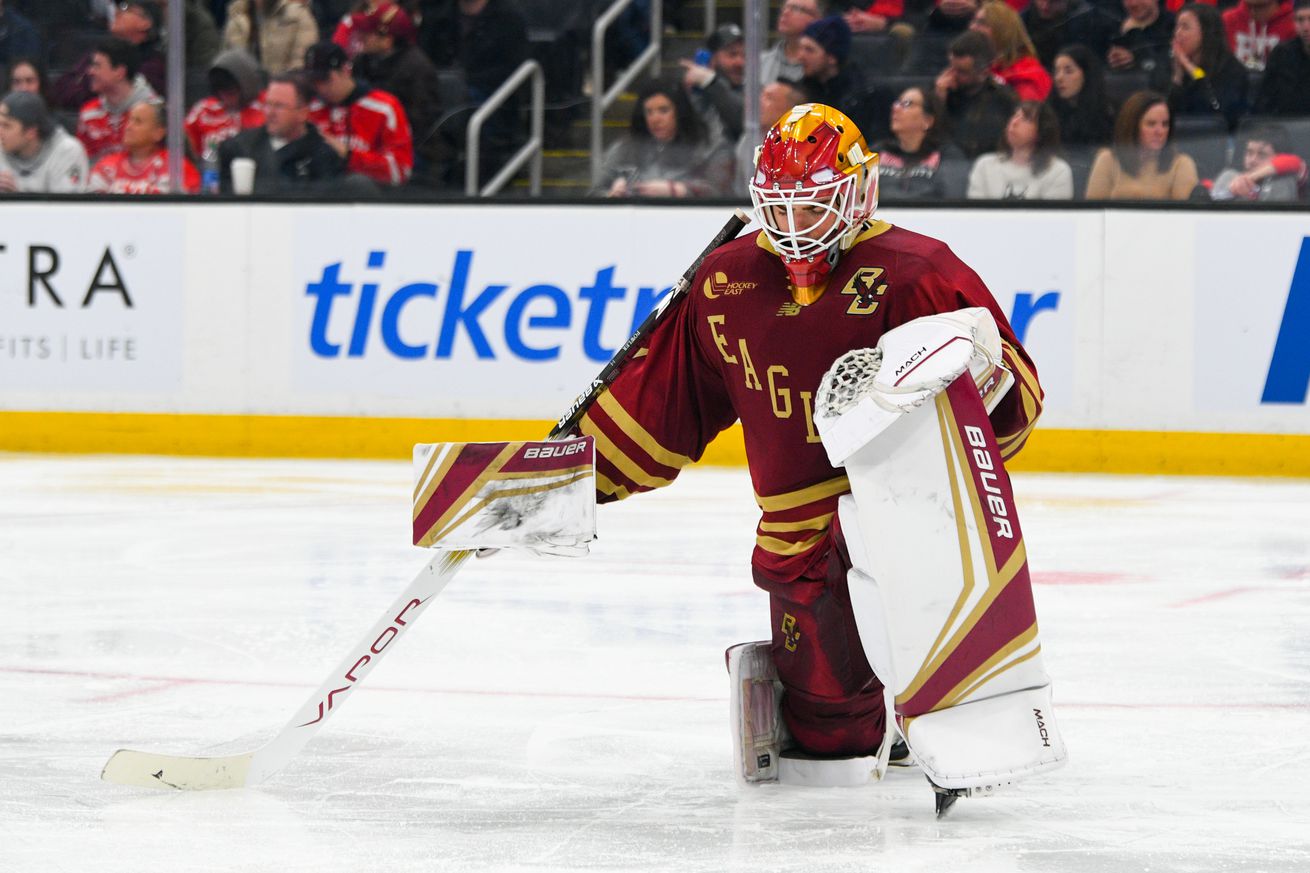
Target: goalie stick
(199, 773)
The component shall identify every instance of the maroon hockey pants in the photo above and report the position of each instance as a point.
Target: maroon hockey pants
(833, 703)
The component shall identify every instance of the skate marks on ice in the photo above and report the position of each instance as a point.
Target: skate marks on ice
(565, 715)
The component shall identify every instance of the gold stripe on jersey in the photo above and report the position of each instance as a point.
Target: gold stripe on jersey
(795, 499)
(819, 522)
(612, 453)
(633, 430)
(775, 546)
(607, 486)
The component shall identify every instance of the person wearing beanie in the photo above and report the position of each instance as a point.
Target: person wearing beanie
(825, 49)
(36, 154)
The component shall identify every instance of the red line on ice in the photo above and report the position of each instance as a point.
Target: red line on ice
(180, 680)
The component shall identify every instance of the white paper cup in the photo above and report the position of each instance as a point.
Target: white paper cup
(243, 175)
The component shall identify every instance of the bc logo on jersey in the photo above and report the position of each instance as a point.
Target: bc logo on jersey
(865, 287)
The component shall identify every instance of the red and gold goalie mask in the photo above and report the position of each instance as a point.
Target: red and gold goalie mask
(815, 186)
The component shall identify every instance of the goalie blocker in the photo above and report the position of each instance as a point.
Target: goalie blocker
(939, 583)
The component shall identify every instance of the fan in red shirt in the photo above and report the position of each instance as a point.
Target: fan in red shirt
(1016, 56)
(875, 17)
(366, 126)
(1255, 27)
(142, 166)
(235, 102)
(114, 79)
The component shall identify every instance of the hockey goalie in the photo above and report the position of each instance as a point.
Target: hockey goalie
(880, 390)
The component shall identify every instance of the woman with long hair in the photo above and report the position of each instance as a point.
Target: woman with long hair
(666, 152)
(916, 161)
(29, 74)
(1025, 165)
(1016, 63)
(1079, 99)
(1143, 163)
(1205, 79)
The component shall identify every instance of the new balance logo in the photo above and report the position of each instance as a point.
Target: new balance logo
(789, 309)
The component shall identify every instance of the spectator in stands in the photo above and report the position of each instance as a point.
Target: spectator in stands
(29, 74)
(114, 79)
(233, 104)
(1016, 61)
(783, 60)
(18, 37)
(36, 154)
(367, 127)
(1078, 99)
(488, 41)
(391, 60)
(666, 152)
(715, 90)
(874, 17)
(977, 105)
(776, 98)
(134, 24)
(1206, 79)
(1142, 164)
(1285, 88)
(289, 152)
(1054, 24)
(142, 165)
(203, 42)
(1025, 165)
(1269, 172)
(276, 32)
(951, 16)
(825, 49)
(917, 162)
(344, 33)
(1143, 39)
(1255, 27)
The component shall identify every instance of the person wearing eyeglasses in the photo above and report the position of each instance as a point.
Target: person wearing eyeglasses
(918, 162)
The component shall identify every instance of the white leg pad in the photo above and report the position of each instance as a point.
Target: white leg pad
(939, 586)
(987, 743)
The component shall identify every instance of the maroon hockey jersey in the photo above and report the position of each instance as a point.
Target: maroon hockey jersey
(738, 347)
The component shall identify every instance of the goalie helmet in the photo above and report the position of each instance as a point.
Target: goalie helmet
(815, 186)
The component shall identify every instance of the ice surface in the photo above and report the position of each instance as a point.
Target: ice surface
(553, 714)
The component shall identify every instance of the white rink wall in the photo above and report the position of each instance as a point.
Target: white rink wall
(1138, 319)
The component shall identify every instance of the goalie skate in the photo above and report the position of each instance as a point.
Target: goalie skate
(761, 744)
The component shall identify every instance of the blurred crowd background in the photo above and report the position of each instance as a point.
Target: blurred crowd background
(978, 99)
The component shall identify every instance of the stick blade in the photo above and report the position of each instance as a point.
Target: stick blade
(176, 772)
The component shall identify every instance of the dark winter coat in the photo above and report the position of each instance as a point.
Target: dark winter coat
(300, 165)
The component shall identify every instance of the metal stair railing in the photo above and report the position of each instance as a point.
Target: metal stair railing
(602, 99)
(531, 149)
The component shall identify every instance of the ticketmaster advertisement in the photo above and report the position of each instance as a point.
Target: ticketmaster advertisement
(509, 312)
(91, 303)
(1137, 319)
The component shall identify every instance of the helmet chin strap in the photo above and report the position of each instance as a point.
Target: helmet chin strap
(809, 276)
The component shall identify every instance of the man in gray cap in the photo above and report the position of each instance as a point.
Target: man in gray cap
(36, 154)
(715, 87)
